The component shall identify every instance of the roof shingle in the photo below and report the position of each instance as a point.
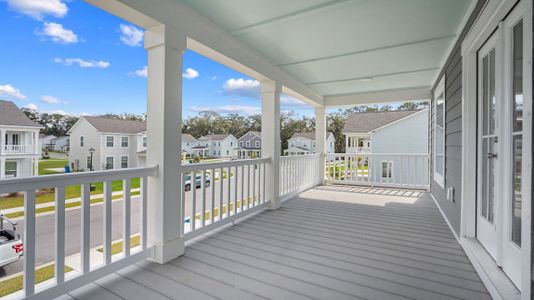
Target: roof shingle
(116, 125)
(365, 122)
(10, 114)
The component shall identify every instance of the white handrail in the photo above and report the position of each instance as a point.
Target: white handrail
(298, 173)
(17, 149)
(407, 170)
(241, 191)
(61, 285)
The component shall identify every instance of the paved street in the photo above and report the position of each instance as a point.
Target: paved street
(45, 237)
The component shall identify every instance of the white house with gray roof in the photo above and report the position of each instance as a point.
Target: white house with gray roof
(115, 143)
(219, 145)
(304, 143)
(19, 143)
(387, 132)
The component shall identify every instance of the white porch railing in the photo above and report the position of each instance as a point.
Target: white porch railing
(59, 286)
(298, 173)
(17, 149)
(226, 191)
(358, 149)
(379, 169)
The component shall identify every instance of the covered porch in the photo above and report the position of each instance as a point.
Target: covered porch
(337, 242)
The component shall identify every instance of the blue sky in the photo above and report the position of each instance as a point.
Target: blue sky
(68, 56)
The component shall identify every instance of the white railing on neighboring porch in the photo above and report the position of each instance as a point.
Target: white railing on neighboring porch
(358, 149)
(298, 173)
(224, 192)
(17, 149)
(408, 170)
(87, 273)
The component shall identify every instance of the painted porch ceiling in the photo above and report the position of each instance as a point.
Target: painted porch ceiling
(333, 46)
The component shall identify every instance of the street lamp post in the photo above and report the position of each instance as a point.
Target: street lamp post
(91, 150)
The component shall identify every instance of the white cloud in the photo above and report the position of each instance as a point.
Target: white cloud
(59, 34)
(37, 9)
(190, 73)
(242, 87)
(11, 91)
(52, 100)
(226, 109)
(100, 64)
(31, 106)
(143, 72)
(131, 35)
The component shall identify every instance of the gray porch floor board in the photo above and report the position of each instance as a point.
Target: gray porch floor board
(330, 242)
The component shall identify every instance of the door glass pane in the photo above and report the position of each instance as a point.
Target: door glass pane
(485, 100)
(517, 197)
(484, 199)
(492, 103)
(440, 134)
(492, 145)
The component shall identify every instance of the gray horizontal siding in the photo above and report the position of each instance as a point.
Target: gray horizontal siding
(453, 128)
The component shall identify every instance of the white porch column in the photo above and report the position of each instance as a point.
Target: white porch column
(270, 135)
(347, 145)
(2, 167)
(165, 47)
(2, 140)
(320, 140)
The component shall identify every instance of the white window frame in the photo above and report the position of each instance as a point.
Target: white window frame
(389, 170)
(257, 144)
(16, 170)
(440, 89)
(127, 161)
(241, 144)
(82, 141)
(112, 141)
(127, 142)
(248, 144)
(112, 162)
(144, 142)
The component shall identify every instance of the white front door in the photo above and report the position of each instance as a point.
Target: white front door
(501, 81)
(488, 140)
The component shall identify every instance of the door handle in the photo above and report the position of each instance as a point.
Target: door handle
(492, 155)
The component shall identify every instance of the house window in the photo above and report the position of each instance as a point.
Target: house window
(257, 144)
(241, 144)
(231, 144)
(124, 162)
(227, 152)
(11, 169)
(439, 133)
(88, 162)
(82, 141)
(124, 142)
(248, 144)
(144, 141)
(214, 144)
(109, 163)
(110, 141)
(387, 169)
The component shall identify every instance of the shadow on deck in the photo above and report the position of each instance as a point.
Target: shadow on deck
(330, 242)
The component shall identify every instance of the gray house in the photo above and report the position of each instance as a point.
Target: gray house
(249, 145)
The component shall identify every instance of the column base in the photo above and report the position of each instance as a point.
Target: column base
(274, 205)
(168, 251)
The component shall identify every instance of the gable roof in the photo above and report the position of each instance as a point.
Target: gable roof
(365, 122)
(216, 137)
(116, 125)
(250, 135)
(10, 114)
(308, 135)
(188, 138)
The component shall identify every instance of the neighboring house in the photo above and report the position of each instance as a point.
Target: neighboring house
(304, 143)
(218, 145)
(189, 144)
(45, 141)
(114, 143)
(60, 144)
(19, 143)
(249, 145)
(387, 132)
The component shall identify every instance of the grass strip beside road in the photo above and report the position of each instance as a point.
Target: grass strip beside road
(14, 284)
(67, 205)
(116, 247)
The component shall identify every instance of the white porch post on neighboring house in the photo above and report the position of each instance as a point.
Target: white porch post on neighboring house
(270, 135)
(320, 140)
(35, 138)
(2, 167)
(2, 140)
(165, 47)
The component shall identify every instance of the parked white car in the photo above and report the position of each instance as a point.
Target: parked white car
(11, 247)
(198, 182)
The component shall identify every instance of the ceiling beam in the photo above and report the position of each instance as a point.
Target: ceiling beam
(372, 76)
(222, 46)
(298, 13)
(384, 96)
(445, 37)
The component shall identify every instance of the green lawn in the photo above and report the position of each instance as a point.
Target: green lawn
(15, 284)
(47, 195)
